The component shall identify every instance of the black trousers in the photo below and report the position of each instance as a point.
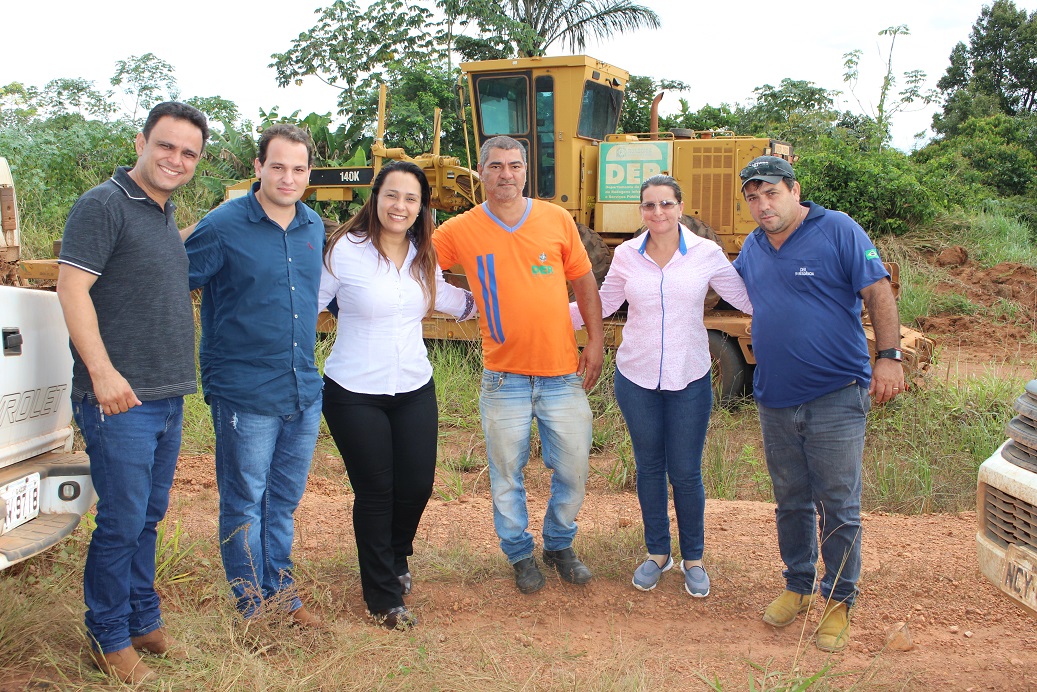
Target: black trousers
(388, 443)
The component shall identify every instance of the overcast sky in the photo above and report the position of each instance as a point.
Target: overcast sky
(722, 51)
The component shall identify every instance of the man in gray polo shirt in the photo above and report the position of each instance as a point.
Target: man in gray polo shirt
(123, 288)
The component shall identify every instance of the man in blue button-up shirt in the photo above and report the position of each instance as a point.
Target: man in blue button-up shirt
(258, 258)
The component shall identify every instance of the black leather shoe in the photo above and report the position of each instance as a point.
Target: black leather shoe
(528, 577)
(405, 582)
(568, 565)
(398, 618)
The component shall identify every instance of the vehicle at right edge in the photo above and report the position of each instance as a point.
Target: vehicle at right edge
(1006, 504)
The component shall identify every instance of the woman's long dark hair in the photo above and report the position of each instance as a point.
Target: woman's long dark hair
(365, 226)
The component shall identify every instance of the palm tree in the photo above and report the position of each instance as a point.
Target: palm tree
(533, 25)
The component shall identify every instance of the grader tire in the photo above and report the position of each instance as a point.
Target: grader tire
(702, 230)
(597, 251)
(732, 377)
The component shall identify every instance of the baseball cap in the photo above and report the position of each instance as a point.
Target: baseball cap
(769, 169)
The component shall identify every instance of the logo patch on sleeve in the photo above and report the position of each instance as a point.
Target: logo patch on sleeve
(871, 254)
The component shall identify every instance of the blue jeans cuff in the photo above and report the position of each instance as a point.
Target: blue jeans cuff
(556, 546)
(149, 628)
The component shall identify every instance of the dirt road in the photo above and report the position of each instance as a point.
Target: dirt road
(916, 569)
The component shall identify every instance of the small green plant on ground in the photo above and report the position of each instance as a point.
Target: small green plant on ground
(953, 304)
(176, 557)
(450, 485)
(621, 473)
(763, 679)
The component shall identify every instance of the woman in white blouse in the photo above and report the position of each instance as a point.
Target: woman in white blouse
(379, 395)
(662, 372)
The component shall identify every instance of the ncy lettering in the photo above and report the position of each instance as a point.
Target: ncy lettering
(1019, 580)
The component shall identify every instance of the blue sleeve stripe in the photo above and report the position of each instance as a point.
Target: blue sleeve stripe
(488, 280)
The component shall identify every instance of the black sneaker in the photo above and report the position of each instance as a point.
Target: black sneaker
(528, 577)
(568, 565)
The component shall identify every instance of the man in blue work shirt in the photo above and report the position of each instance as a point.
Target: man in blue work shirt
(258, 258)
(806, 269)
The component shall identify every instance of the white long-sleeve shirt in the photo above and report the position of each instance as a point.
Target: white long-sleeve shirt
(665, 345)
(378, 345)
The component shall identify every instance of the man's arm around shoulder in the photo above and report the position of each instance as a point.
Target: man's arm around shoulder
(593, 354)
(444, 247)
(113, 392)
(204, 251)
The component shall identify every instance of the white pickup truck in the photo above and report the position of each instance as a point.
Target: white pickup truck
(45, 487)
(1006, 499)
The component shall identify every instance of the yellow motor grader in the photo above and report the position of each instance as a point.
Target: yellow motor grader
(565, 111)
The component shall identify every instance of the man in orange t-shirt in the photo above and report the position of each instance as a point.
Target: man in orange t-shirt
(517, 254)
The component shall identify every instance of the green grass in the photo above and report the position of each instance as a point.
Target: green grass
(953, 304)
(457, 369)
(922, 452)
(993, 238)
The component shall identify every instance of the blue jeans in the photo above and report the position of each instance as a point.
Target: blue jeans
(508, 404)
(132, 460)
(261, 467)
(668, 433)
(814, 454)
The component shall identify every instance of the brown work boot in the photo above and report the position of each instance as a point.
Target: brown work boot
(160, 643)
(833, 634)
(124, 665)
(783, 610)
(306, 619)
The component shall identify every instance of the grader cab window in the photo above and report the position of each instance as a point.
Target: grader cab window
(504, 105)
(545, 137)
(599, 111)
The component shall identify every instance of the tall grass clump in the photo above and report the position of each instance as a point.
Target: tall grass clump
(918, 279)
(609, 432)
(993, 237)
(733, 466)
(923, 451)
(457, 369)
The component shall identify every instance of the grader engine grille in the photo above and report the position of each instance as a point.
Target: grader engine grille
(710, 184)
(1009, 520)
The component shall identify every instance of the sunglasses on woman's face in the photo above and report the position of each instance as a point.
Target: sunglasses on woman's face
(665, 205)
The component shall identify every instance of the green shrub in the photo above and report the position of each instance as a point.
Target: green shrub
(53, 162)
(883, 191)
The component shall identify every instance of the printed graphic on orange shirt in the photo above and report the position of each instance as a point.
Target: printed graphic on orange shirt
(542, 268)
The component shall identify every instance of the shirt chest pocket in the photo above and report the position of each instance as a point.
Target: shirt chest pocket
(802, 274)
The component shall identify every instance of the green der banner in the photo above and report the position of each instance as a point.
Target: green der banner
(625, 165)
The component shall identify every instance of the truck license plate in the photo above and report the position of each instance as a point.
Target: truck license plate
(23, 500)
(1019, 576)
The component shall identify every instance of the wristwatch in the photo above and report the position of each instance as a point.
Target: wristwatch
(891, 353)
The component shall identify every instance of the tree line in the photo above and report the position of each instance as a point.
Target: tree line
(68, 135)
